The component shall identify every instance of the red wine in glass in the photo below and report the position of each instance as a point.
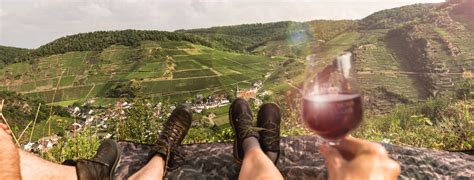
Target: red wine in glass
(332, 116)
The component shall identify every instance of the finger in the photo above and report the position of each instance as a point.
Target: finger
(4, 135)
(334, 159)
(356, 146)
(393, 168)
(3, 126)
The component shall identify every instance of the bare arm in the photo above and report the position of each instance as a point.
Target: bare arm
(9, 158)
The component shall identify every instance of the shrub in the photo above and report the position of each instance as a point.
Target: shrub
(203, 134)
(74, 146)
(437, 123)
(291, 124)
(124, 90)
(436, 108)
(464, 90)
(139, 124)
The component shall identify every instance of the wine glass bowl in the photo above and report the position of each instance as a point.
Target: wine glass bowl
(332, 107)
(332, 116)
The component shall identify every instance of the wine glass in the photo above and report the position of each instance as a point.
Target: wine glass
(332, 106)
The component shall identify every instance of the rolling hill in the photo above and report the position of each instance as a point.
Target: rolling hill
(402, 55)
(164, 69)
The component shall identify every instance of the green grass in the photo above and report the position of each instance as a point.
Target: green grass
(44, 82)
(13, 70)
(153, 66)
(221, 113)
(139, 75)
(58, 125)
(172, 52)
(193, 73)
(221, 120)
(65, 103)
(23, 87)
(176, 44)
(66, 94)
(379, 67)
(182, 65)
(104, 101)
(178, 59)
(172, 86)
(65, 81)
(149, 44)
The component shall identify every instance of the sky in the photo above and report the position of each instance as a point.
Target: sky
(32, 23)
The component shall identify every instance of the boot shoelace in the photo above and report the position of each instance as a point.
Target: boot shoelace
(173, 130)
(245, 126)
(271, 136)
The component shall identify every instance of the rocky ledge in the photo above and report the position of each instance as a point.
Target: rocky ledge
(299, 160)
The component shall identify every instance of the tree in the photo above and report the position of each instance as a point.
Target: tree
(124, 90)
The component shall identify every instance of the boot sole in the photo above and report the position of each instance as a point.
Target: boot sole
(117, 161)
(236, 156)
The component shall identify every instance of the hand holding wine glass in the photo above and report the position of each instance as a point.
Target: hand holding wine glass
(332, 107)
(359, 159)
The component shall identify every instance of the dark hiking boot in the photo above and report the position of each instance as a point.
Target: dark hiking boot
(269, 118)
(102, 165)
(173, 133)
(240, 118)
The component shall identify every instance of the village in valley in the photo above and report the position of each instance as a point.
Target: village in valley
(100, 117)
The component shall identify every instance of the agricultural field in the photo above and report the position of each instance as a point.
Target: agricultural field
(168, 69)
(291, 74)
(378, 67)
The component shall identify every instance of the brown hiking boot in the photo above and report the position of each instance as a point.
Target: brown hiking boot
(240, 118)
(269, 118)
(173, 133)
(102, 165)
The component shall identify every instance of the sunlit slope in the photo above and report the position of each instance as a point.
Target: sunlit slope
(163, 69)
(260, 38)
(290, 75)
(415, 56)
(401, 55)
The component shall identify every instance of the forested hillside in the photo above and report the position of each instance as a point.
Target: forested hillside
(248, 37)
(240, 38)
(96, 41)
(392, 18)
(9, 55)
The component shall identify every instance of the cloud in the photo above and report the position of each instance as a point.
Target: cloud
(95, 10)
(31, 23)
(2, 12)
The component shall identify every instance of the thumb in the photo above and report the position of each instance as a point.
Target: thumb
(334, 159)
